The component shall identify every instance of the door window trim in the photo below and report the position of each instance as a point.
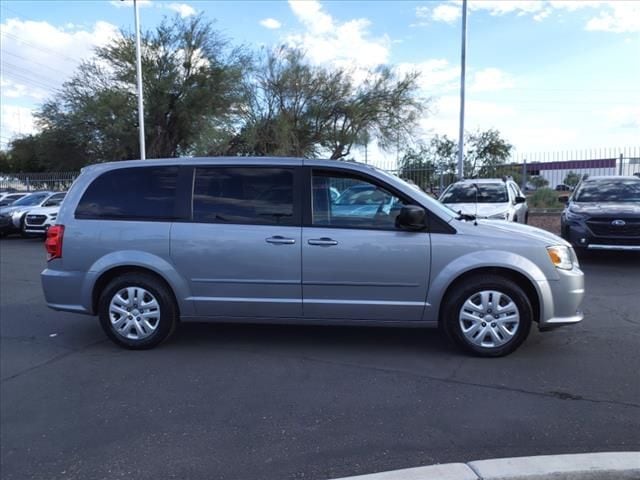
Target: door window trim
(307, 213)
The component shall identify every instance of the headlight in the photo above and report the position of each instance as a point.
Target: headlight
(572, 216)
(500, 216)
(561, 256)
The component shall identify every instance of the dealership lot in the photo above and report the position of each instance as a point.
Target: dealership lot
(272, 402)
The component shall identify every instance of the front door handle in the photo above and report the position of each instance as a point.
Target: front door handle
(323, 242)
(280, 240)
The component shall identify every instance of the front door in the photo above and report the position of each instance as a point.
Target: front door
(356, 264)
(241, 253)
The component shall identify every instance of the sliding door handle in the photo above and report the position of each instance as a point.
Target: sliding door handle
(323, 242)
(279, 240)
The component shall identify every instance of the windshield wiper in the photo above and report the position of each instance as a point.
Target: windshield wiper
(465, 216)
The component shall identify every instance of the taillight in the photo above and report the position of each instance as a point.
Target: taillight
(53, 243)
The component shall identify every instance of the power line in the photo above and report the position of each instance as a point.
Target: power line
(40, 47)
(4, 52)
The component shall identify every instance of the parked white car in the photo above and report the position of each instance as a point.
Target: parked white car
(39, 219)
(493, 198)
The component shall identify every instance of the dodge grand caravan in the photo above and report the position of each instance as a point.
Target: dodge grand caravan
(146, 244)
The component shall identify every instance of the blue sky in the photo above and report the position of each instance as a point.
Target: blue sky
(550, 75)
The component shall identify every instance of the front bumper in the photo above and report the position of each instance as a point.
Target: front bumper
(579, 235)
(561, 299)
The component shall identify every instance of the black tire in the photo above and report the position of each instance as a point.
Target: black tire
(168, 311)
(23, 234)
(465, 290)
(526, 218)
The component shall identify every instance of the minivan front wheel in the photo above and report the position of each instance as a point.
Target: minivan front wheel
(488, 315)
(137, 311)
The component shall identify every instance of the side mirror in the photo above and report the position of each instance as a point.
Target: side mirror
(411, 217)
(520, 199)
(563, 199)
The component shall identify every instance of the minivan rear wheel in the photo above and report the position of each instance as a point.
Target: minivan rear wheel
(137, 311)
(488, 315)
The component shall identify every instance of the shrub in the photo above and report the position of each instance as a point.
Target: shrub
(544, 198)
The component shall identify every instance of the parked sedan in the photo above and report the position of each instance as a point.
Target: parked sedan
(604, 214)
(12, 217)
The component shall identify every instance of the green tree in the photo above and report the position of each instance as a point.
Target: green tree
(538, 182)
(297, 109)
(486, 153)
(191, 85)
(572, 179)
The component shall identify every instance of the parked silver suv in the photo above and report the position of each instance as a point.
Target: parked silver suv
(144, 244)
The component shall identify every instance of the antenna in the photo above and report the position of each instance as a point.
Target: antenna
(475, 217)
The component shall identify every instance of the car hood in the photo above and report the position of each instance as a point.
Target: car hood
(8, 210)
(43, 210)
(513, 231)
(483, 209)
(606, 208)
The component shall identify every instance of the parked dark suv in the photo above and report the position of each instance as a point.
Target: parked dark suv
(604, 214)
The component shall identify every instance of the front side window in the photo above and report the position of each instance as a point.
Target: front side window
(351, 202)
(244, 195)
(139, 193)
(54, 200)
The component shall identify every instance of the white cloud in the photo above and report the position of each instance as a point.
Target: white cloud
(436, 75)
(182, 8)
(447, 13)
(129, 3)
(270, 23)
(624, 117)
(37, 58)
(622, 17)
(15, 120)
(490, 80)
(326, 40)
(617, 16)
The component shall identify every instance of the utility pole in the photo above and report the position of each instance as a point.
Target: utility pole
(462, 81)
(139, 78)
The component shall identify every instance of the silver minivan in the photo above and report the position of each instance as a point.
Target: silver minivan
(147, 244)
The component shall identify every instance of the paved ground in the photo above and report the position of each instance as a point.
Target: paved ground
(247, 402)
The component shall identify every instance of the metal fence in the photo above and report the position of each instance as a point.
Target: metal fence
(532, 171)
(555, 170)
(30, 182)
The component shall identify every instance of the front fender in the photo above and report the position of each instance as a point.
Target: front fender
(450, 272)
(140, 259)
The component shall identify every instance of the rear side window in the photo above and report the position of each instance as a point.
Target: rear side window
(254, 195)
(142, 193)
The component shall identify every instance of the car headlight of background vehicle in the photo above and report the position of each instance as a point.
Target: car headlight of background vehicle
(500, 216)
(572, 216)
(562, 257)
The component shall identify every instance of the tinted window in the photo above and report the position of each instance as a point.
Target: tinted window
(31, 200)
(359, 204)
(144, 193)
(609, 191)
(467, 193)
(262, 196)
(54, 200)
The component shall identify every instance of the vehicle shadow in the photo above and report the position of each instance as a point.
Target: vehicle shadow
(308, 337)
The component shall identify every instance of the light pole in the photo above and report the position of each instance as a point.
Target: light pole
(462, 81)
(139, 79)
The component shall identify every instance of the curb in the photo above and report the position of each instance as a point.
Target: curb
(581, 466)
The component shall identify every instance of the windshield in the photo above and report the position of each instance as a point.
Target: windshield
(609, 191)
(466, 193)
(30, 200)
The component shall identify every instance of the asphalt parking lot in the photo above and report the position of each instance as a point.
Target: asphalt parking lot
(270, 402)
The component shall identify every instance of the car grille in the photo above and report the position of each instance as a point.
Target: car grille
(36, 219)
(604, 227)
